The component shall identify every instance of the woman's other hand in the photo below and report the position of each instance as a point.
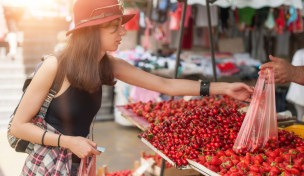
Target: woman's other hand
(80, 146)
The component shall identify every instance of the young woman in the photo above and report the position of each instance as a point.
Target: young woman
(85, 67)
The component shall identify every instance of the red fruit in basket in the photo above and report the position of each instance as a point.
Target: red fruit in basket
(278, 160)
(254, 168)
(270, 159)
(294, 171)
(223, 171)
(227, 163)
(235, 157)
(233, 170)
(220, 153)
(298, 161)
(259, 158)
(236, 174)
(281, 165)
(287, 156)
(184, 162)
(242, 166)
(271, 173)
(267, 168)
(229, 152)
(215, 161)
(272, 154)
(300, 155)
(275, 169)
(138, 112)
(214, 168)
(300, 149)
(235, 162)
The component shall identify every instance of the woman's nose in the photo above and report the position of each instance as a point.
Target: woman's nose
(123, 30)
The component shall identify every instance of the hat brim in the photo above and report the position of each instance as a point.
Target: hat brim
(125, 19)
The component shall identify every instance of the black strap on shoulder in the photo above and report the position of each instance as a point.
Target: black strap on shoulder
(57, 83)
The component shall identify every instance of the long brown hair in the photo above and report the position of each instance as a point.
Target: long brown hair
(78, 61)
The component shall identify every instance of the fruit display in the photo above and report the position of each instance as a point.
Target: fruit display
(205, 130)
(120, 173)
(156, 112)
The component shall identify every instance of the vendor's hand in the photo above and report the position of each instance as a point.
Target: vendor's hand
(82, 147)
(239, 91)
(283, 70)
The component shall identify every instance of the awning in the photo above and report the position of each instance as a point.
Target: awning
(250, 3)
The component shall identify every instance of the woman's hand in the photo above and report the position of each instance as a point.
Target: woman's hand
(239, 91)
(80, 146)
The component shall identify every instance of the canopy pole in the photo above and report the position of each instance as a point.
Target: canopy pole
(211, 41)
(181, 31)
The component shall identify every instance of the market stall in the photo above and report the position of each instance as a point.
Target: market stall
(180, 131)
(200, 164)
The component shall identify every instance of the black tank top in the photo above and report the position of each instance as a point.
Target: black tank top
(72, 112)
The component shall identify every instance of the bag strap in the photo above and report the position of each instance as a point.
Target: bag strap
(53, 91)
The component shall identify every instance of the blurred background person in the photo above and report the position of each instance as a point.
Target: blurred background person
(12, 14)
(295, 92)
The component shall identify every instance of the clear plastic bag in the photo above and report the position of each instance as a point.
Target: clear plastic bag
(259, 128)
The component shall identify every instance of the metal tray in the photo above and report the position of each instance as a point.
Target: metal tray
(138, 121)
(202, 169)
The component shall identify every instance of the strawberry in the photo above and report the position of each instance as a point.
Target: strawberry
(298, 161)
(270, 159)
(275, 169)
(294, 171)
(235, 162)
(233, 170)
(300, 155)
(213, 168)
(267, 166)
(259, 158)
(235, 157)
(278, 159)
(220, 153)
(293, 151)
(287, 156)
(223, 172)
(286, 163)
(236, 174)
(300, 149)
(272, 154)
(253, 174)
(202, 159)
(227, 163)
(242, 166)
(281, 165)
(229, 152)
(254, 168)
(287, 173)
(215, 161)
(271, 173)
